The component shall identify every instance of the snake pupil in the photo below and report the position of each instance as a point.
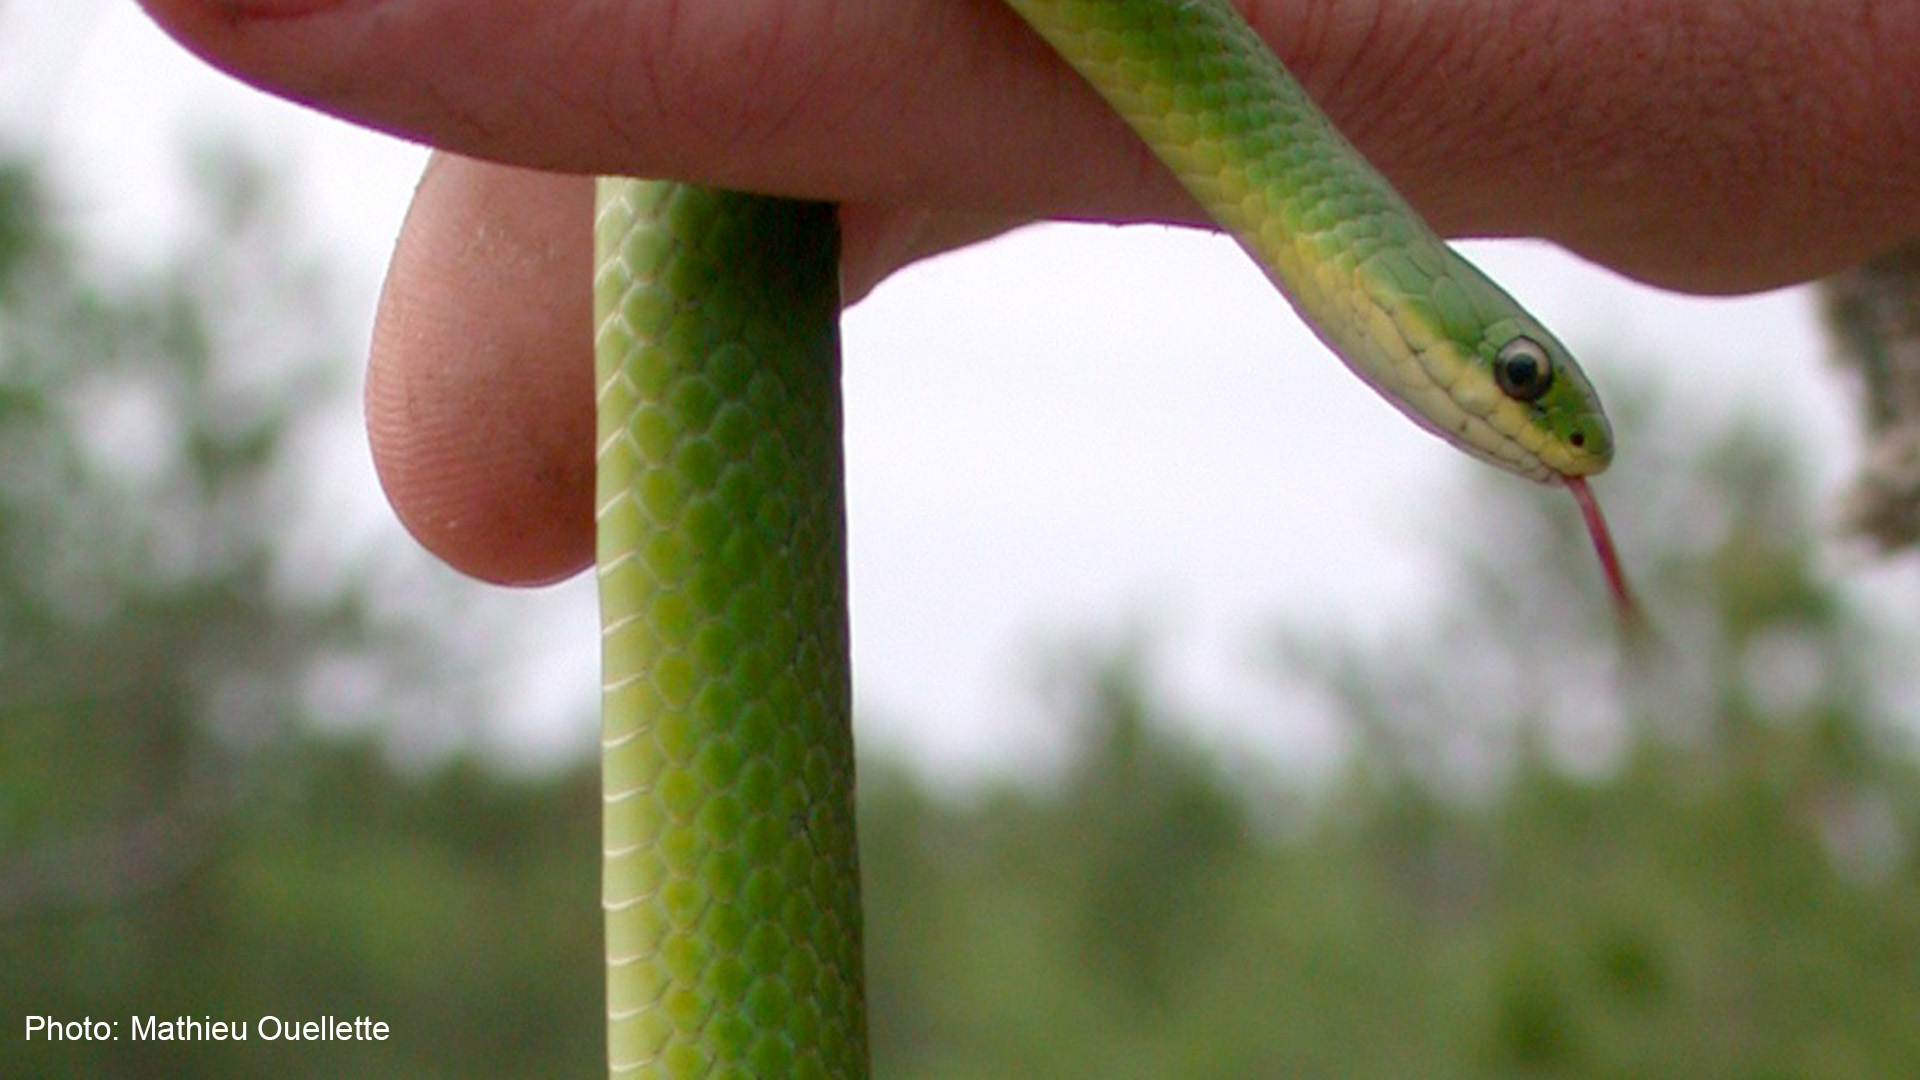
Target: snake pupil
(1522, 369)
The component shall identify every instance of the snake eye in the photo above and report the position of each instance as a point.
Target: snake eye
(1523, 370)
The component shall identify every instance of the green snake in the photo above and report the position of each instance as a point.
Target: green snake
(731, 880)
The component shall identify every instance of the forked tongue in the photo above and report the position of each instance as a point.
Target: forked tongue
(1624, 606)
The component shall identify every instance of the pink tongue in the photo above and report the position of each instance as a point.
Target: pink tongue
(1623, 601)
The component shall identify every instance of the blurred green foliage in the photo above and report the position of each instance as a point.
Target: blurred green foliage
(1538, 860)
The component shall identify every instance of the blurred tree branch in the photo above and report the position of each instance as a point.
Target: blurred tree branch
(1872, 313)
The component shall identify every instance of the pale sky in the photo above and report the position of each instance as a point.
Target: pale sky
(1069, 435)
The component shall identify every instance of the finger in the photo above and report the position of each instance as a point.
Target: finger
(479, 394)
(1701, 146)
(883, 102)
(479, 397)
(875, 241)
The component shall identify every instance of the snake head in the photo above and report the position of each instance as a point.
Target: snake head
(1545, 404)
(1463, 359)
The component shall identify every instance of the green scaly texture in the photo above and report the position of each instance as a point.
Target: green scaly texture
(731, 876)
(731, 880)
(1411, 317)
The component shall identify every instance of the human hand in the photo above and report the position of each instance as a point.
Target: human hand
(1720, 146)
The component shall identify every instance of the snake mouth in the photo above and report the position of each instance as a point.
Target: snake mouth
(1624, 604)
(1577, 456)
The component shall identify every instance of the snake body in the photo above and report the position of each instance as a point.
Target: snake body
(731, 882)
